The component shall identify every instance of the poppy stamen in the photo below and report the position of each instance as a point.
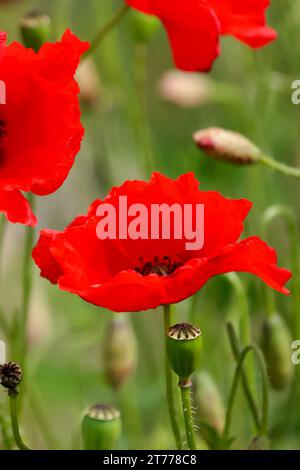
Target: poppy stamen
(161, 266)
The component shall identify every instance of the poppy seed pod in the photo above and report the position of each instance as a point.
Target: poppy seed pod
(208, 401)
(119, 352)
(227, 145)
(276, 346)
(35, 30)
(184, 347)
(143, 27)
(10, 375)
(101, 428)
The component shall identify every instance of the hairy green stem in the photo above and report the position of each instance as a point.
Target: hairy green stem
(280, 167)
(170, 384)
(234, 388)
(107, 28)
(14, 412)
(188, 417)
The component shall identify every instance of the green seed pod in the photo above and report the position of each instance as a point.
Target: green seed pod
(143, 26)
(276, 346)
(227, 145)
(35, 29)
(119, 351)
(260, 443)
(101, 428)
(208, 401)
(10, 375)
(184, 347)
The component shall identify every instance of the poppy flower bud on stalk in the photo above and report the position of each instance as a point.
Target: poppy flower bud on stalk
(228, 146)
(10, 376)
(120, 351)
(208, 401)
(276, 346)
(101, 427)
(185, 90)
(143, 27)
(35, 30)
(184, 347)
(89, 83)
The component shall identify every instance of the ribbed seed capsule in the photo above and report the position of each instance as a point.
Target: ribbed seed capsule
(35, 30)
(227, 145)
(120, 351)
(101, 428)
(276, 345)
(184, 346)
(208, 401)
(10, 375)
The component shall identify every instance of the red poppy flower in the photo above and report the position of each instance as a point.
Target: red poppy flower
(133, 275)
(40, 130)
(194, 26)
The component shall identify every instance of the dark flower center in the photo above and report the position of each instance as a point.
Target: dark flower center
(161, 266)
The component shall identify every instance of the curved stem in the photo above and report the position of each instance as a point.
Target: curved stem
(234, 388)
(170, 385)
(236, 349)
(13, 396)
(107, 28)
(188, 417)
(281, 167)
(244, 321)
(289, 216)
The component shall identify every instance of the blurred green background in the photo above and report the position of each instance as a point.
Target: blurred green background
(130, 128)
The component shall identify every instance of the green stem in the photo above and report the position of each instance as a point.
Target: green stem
(236, 350)
(169, 383)
(143, 129)
(281, 167)
(289, 216)
(244, 322)
(13, 396)
(234, 388)
(26, 286)
(120, 13)
(188, 417)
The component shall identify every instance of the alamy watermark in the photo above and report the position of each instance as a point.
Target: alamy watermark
(157, 222)
(2, 92)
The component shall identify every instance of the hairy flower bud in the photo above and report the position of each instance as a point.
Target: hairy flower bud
(208, 401)
(276, 346)
(184, 347)
(89, 82)
(184, 89)
(119, 353)
(101, 428)
(10, 375)
(35, 29)
(227, 145)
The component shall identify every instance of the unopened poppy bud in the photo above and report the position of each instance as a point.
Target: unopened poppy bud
(89, 82)
(227, 145)
(260, 443)
(208, 401)
(119, 353)
(276, 345)
(101, 428)
(35, 29)
(143, 26)
(10, 375)
(184, 347)
(185, 90)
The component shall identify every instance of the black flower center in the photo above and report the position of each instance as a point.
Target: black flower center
(161, 266)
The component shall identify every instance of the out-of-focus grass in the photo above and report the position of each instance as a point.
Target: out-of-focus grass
(65, 355)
